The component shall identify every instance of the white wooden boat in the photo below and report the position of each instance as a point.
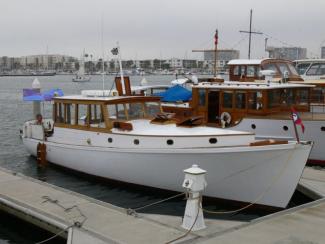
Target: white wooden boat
(123, 138)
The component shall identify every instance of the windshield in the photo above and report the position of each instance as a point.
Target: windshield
(301, 68)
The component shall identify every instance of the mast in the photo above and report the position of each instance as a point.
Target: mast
(215, 52)
(250, 32)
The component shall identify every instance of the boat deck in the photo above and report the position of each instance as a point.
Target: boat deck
(56, 209)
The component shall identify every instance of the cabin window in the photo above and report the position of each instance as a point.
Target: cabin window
(227, 99)
(270, 67)
(237, 70)
(152, 108)
(117, 111)
(59, 109)
(69, 114)
(96, 116)
(255, 100)
(287, 97)
(273, 98)
(136, 110)
(318, 95)
(240, 98)
(316, 69)
(283, 68)
(82, 116)
(301, 68)
(202, 97)
(302, 97)
(251, 71)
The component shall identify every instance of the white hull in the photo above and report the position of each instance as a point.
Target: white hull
(274, 128)
(267, 175)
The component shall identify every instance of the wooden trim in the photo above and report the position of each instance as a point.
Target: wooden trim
(108, 122)
(76, 114)
(81, 127)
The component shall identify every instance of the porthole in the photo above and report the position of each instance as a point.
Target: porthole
(110, 140)
(253, 126)
(322, 128)
(285, 128)
(213, 140)
(136, 142)
(170, 142)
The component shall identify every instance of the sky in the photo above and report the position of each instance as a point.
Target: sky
(157, 29)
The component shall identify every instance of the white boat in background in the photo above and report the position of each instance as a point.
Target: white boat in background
(311, 69)
(129, 139)
(81, 76)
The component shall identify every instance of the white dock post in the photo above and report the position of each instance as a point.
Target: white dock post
(36, 86)
(194, 183)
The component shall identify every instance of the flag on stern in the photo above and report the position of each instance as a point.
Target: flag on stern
(114, 51)
(296, 119)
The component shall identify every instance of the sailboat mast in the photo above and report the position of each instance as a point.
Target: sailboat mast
(250, 34)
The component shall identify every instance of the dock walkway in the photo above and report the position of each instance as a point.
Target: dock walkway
(57, 209)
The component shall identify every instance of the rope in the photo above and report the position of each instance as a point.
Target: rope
(131, 211)
(187, 232)
(67, 209)
(52, 237)
(285, 165)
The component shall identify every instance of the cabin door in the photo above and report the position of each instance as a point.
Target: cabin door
(213, 107)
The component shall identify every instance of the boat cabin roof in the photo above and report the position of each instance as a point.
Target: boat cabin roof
(107, 100)
(250, 85)
(245, 61)
(309, 61)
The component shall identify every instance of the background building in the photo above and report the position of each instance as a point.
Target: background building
(322, 55)
(223, 57)
(290, 53)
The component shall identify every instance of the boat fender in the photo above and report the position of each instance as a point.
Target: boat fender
(225, 118)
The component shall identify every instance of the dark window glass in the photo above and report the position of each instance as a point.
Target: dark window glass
(227, 99)
(201, 97)
(240, 100)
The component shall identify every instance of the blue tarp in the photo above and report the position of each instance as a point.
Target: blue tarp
(32, 95)
(175, 94)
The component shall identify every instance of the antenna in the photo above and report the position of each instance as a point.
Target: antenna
(102, 44)
(250, 32)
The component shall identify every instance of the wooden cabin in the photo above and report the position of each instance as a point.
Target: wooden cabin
(101, 114)
(242, 99)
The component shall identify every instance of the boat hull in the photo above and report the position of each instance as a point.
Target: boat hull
(265, 175)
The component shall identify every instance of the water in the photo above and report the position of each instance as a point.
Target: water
(14, 157)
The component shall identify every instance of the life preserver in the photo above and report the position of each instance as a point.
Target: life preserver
(225, 117)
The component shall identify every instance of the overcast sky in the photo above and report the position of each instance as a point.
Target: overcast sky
(152, 28)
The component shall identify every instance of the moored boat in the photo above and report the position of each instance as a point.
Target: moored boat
(130, 139)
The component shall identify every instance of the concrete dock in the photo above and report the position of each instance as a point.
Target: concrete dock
(81, 219)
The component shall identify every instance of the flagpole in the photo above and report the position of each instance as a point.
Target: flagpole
(121, 69)
(295, 126)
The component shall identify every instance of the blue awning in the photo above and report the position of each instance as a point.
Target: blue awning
(32, 95)
(175, 94)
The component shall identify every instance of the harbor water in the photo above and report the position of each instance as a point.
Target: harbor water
(14, 112)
